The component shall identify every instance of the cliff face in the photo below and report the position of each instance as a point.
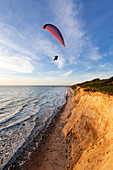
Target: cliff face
(89, 129)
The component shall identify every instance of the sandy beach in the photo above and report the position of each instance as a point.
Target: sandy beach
(80, 136)
(53, 151)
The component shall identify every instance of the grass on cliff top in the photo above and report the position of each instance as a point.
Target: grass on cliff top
(97, 85)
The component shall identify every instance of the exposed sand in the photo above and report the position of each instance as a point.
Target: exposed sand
(53, 152)
(89, 129)
(80, 137)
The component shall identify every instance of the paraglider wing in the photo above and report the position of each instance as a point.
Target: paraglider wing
(55, 31)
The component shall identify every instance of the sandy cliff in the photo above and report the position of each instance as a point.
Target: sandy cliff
(89, 129)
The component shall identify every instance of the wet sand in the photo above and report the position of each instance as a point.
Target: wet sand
(53, 152)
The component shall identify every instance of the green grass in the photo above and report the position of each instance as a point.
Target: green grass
(97, 85)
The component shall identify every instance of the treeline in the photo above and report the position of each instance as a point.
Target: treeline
(97, 85)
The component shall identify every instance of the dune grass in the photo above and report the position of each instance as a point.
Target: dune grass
(97, 85)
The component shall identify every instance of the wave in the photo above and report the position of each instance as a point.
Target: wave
(9, 117)
(21, 120)
(29, 114)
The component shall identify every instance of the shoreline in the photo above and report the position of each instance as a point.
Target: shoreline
(44, 155)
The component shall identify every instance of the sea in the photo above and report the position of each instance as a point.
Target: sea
(25, 111)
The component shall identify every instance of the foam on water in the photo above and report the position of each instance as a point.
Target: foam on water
(24, 112)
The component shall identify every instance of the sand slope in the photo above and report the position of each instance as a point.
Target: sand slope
(89, 129)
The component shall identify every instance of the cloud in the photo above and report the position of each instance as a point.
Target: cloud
(105, 66)
(23, 47)
(93, 54)
(13, 43)
(60, 62)
(87, 68)
(48, 49)
(66, 16)
(45, 46)
(13, 40)
(73, 60)
(67, 73)
(19, 64)
(14, 52)
(78, 44)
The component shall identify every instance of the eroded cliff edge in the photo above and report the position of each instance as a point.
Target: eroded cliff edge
(89, 130)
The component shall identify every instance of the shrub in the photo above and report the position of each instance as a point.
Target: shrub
(104, 86)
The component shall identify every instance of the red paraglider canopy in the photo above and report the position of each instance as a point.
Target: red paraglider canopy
(55, 31)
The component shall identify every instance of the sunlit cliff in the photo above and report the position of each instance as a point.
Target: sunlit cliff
(89, 130)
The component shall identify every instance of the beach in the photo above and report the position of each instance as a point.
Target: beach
(80, 136)
(53, 151)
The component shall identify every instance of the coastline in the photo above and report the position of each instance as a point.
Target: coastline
(53, 151)
(79, 136)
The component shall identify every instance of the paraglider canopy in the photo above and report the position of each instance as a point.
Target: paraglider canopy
(56, 33)
(56, 58)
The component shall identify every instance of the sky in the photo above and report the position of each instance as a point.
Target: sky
(27, 51)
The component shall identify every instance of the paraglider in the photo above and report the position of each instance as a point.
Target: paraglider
(56, 58)
(55, 32)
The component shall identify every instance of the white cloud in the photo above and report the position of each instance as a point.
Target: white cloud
(72, 59)
(105, 66)
(47, 48)
(14, 53)
(102, 75)
(60, 62)
(93, 54)
(66, 13)
(13, 40)
(21, 52)
(13, 43)
(87, 68)
(67, 73)
(68, 19)
(16, 63)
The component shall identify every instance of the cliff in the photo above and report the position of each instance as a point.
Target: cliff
(89, 130)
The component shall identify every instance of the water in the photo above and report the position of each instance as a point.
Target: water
(24, 112)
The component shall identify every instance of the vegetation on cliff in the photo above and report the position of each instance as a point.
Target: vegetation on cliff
(97, 85)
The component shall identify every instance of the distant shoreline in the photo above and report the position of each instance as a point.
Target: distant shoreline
(35, 85)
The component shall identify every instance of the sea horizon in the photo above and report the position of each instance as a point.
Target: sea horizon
(37, 85)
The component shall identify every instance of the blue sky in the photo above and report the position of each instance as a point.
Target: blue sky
(27, 51)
